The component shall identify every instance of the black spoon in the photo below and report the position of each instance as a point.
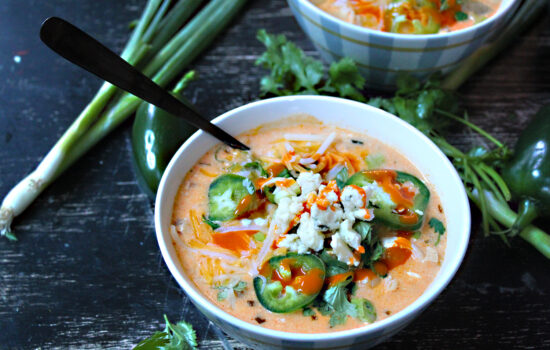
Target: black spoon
(81, 49)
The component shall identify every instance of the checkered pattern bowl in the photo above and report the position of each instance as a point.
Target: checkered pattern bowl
(381, 55)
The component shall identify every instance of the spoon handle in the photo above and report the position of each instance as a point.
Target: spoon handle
(81, 49)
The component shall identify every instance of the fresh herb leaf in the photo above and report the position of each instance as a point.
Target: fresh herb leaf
(256, 166)
(342, 177)
(210, 223)
(438, 227)
(225, 290)
(293, 72)
(365, 230)
(337, 298)
(364, 309)
(259, 236)
(444, 5)
(285, 173)
(374, 161)
(241, 286)
(416, 234)
(345, 80)
(333, 265)
(337, 318)
(308, 311)
(249, 186)
(223, 294)
(461, 16)
(179, 336)
(322, 306)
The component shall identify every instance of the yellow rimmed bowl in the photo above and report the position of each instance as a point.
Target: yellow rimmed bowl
(381, 56)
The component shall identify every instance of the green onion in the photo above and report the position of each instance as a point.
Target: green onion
(164, 50)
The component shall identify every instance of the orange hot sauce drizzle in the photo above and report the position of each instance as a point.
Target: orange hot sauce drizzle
(236, 241)
(398, 254)
(334, 280)
(399, 194)
(275, 169)
(303, 281)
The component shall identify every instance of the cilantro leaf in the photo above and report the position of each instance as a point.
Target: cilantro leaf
(337, 298)
(210, 223)
(225, 290)
(179, 336)
(241, 286)
(293, 72)
(222, 294)
(438, 227)
(337, 318)
(461, 16)
(365, 230)
(256, 166)
(333, 265)
(345, 80)
(365, 310)
(342, 177)
(308, 311)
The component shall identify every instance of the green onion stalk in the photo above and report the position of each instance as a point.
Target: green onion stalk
(161, 48)
(485, 187)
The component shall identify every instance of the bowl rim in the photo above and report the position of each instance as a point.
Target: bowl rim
(419, 304)
(502, 10)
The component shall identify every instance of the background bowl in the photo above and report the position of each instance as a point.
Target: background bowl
(381, 56)
(344, 113)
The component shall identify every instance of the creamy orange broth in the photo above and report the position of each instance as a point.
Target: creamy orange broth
(411, 278)
(384, 15)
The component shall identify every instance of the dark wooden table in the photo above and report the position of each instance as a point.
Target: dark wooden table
(87, 272)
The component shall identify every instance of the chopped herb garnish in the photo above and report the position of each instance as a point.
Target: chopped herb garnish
(357, 142)
(210, 223)
(241, 286)
(224, 290)
(308, 311)
(461, 16)
(438, 227)
(293, 72)
(179, 336)
(342, 177)
(258, 167)
(416, 234)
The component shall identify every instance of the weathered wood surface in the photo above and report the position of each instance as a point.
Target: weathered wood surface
(87, 272)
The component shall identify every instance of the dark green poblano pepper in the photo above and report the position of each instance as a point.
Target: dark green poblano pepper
(527, 174)
(156, 136)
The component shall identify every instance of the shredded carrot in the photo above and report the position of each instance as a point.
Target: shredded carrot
(201, 232)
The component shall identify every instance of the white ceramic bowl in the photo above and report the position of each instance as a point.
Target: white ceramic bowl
(381, 56)
(348, 114)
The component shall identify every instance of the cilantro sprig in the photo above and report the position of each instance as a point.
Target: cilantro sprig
(438, 228)
(293, 72)
(178, 336)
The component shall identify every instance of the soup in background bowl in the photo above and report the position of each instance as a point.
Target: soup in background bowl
(380, 55)
(383, 133)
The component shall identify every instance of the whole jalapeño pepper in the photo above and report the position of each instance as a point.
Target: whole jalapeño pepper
(156, 136)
